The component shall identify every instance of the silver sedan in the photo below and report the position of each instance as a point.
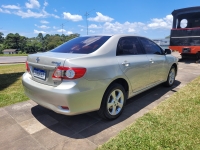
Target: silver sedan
(97, 73)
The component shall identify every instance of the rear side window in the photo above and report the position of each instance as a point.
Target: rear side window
(151, 47)
(129, 46)
(82, 45)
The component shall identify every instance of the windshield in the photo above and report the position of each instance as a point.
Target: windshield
(82, 45)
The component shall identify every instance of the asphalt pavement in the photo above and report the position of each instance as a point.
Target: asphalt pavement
(12, 59)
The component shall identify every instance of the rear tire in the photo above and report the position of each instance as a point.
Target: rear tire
(113, 102)
(171, 77)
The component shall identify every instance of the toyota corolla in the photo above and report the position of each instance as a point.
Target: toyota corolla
(97, 73)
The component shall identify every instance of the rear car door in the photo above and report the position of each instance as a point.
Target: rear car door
(133, 62)
(157, 60)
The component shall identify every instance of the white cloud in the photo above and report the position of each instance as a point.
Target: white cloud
(69, 32)
(162, 23)
(91, 31)
(54, 27)
(29, 14)
(36, 32)
(32, 4)
(10, 6)
(64, 31)
(81, 30)
(55, 16)
(101, 18)
(94, 26)
(61, 30)
(71, 17)
(131, 30)
(42, 26)
(45, 3)
(5, 11)
(81, 26)
(44, 22)
(125, 27)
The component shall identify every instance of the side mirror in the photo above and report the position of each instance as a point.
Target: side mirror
(168, 51)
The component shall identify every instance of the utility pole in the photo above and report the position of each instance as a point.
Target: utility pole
(86, 16)
(62, 25)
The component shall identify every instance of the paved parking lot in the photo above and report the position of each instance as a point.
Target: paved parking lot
(29, 126)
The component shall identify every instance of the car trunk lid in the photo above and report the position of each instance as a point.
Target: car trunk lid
(43, 65)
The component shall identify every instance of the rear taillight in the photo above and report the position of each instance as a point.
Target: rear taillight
(68, 73)
(27, 67)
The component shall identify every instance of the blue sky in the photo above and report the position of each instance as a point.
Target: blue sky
(150, 18)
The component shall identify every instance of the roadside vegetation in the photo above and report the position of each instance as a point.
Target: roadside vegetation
(174, 124)
(40, 43)
(13, 55)
(11, 90)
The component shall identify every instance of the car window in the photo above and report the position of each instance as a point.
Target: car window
(129, 46)
(82, 45)
(151, 47)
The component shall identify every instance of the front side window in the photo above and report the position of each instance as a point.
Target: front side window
(82, 45)
(151, 47)
(129, 46)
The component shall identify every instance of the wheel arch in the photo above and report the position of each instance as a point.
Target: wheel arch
(122, 82)
(175, 66)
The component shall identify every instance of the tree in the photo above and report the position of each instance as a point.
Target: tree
(34, 44)
(40, 37)
(12, 41)
(1, 37)
(167, 37)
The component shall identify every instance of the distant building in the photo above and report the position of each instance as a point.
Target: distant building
(10, 51)
(164, 43)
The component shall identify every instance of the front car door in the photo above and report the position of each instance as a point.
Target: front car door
(157, 61)
(133, 62)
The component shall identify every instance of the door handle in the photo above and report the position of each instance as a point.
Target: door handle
(125, 63)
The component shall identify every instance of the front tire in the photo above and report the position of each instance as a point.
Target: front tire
(171, 77)
(113, 102)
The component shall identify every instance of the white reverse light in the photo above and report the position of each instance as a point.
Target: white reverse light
(70, 73)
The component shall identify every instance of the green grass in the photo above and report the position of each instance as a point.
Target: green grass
(13, 55)
(11, 90)
(174, 124)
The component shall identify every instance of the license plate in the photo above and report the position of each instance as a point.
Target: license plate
(39, 73)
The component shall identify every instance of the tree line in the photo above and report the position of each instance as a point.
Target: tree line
(27, 45)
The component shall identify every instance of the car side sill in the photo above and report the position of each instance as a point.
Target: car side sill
(145, 89)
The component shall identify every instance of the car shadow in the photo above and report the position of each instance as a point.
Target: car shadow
(90, 124)
(8, 78)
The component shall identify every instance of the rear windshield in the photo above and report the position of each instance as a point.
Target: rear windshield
(82, 45)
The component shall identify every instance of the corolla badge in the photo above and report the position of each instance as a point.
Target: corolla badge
(57, 63)
(37, 59)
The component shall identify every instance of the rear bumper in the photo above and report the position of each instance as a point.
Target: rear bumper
(80, 96)
(193, 49)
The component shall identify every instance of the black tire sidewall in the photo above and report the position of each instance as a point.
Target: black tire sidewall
(168, 84)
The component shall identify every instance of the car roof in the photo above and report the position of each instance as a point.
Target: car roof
(113, 35)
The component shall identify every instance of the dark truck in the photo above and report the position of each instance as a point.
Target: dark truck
(185, 32)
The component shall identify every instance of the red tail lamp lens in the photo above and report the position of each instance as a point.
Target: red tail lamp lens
(68, 73)
(27, 67)
(65, 107)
